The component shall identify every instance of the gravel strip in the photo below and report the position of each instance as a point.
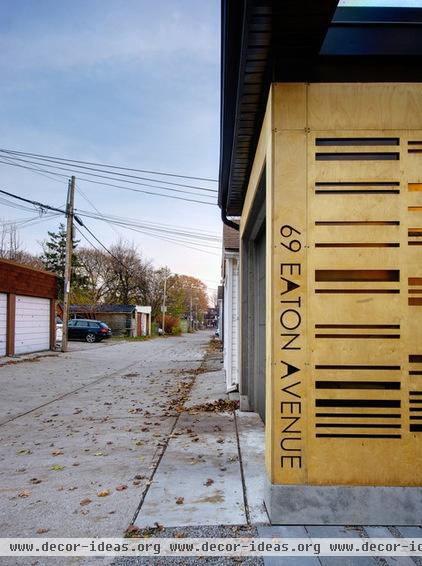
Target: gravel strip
(214, 531)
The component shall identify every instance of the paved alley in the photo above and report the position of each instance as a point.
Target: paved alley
(81, 433)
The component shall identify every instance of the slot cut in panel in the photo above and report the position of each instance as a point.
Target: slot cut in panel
(358, 245)
(361, 156)
(349, 275)
(356, 141)
(385, 385)
(320, 435)
(359, 291)
(359, 367)
(360, 336)
(361, 326)
(357, 187)
(375, 403)
(356, 425)
(360, 415)
(414, 187)
(357, 223)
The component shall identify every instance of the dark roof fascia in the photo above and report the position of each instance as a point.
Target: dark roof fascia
(302, 27)
(297, 55)
(232, 17)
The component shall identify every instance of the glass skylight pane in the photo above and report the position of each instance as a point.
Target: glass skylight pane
(380, 3)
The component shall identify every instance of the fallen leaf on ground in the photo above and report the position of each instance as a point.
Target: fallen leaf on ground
(103, 493)
(57, 468)
(121, 487)
(100, 454)
(85, 501)
(42, 531)
(180, 500)
(56, 453)
(131, 531)
(209, 482)
(34, 481)
(23, 452)
(24, 493)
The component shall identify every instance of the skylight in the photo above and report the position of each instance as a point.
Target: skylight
(380, 4)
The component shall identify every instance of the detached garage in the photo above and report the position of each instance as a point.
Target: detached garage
(27, 309)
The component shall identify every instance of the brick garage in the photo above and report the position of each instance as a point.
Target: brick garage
(27, 309)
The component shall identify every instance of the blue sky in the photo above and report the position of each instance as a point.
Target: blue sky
(126, 82)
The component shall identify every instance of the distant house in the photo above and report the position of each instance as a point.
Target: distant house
(124, 320)
(211, 317)
(27, 309)
(231, 306)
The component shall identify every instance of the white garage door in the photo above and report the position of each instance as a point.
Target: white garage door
(3, 322)
(32, 327)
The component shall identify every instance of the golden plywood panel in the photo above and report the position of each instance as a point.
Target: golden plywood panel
(345, 241)
(365, 107)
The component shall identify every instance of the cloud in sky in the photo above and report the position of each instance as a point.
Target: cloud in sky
(125, 37)
(132, 83)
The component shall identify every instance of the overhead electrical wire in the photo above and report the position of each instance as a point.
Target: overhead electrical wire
(158, 227)
(179, 240)
(103, 183)
(59, 159)
(71, 167)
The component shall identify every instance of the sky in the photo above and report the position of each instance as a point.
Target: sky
(133, 83)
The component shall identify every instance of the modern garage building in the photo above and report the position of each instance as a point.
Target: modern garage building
(27, 309)
(321, 160)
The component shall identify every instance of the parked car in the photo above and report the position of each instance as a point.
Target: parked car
(89, 330)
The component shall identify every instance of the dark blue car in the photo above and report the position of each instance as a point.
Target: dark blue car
(88, 330)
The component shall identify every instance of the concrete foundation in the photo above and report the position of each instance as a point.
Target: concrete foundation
(343, 505)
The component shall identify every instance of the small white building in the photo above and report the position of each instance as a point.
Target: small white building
(231, 307)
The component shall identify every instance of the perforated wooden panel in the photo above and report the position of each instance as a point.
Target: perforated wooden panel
(353, 366)
(361, 324)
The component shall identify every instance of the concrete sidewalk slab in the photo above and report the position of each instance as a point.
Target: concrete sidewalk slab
(198, 481)
(208, 387)
(251, 441)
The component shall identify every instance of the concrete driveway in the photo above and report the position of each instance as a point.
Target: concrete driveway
(81, 433)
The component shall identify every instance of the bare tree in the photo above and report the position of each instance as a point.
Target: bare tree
(11, 246)
(128, 275)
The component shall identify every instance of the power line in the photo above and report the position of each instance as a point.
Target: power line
(80, 191)
(170, 229)
(77, 219)
(103, 183)
(59, 159)
(34, 202)
(71, 167)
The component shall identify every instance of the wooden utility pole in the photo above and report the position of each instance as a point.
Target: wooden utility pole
(68, 264)
(164, 308)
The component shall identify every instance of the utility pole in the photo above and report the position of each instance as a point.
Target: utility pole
(68, 263)
(164, 305)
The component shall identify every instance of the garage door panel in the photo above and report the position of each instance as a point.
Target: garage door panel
(3, 323)
(32, 326)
